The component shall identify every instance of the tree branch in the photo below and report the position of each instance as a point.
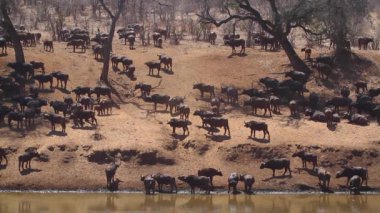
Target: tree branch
(254, 15)
(107, 9)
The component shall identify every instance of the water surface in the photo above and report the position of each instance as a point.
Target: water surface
(123, 202)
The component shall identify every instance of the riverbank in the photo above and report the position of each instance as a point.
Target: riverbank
(66, 168)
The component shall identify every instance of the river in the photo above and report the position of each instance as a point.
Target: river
(129, 202)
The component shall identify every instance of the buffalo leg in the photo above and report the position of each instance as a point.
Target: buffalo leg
(286, 169)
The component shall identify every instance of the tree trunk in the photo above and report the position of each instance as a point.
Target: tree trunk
(342, 55)
(19, 53)
(296, 62)
(141, 11)
(107, 52)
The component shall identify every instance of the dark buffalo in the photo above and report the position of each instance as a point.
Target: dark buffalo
(26, 158)
(184, 111)
(149, 184)
(233, 43)
(307, 53)
(81, 91)
(86, 102)
(306, 157)
(61, 78)
(361, 85)
(329, 60)
(323, 176)
(3, 45)
(345, 92)
(163, 179)
(48, 46)
(153, 65)
(4, 110)
(203, 114)
(269, 83)
(233, 180)
(59, 106)
(358, 119)
(349, 172)
(15, 116)
(44, 78)
(158, 99)
(355, 184)
(98, 51)
(77, 43)
(56, 119)
(277, 163)
(294, 86)
(145, 89)
(338, 102)
(214, 123)
(174, 103)
(101, 90)
(232, 94)
(324, 70)
(212, 37)
(248, 180)
(86, 115)
(201, 182)
(275, 103)
(180, 123)
(205, 88)
(166, 60)
(23, 69)
(297, 76)
(257, 126)
(38, 65)
(259, 103)
(110, 171)
(374, 92)
(210, 173)
(3, 154)
(363, 43)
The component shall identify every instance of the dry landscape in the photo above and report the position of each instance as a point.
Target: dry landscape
(143, 141)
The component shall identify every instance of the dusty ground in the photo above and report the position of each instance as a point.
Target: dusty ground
(143, 140)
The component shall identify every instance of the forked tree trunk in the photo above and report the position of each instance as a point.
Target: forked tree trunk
(107, 52)
(296, 62)
(19, 53)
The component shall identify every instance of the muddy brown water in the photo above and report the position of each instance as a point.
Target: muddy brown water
(120, 202)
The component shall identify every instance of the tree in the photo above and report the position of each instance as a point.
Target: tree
(108, 45)
(9, 28)
(340, 17)
(277, 18)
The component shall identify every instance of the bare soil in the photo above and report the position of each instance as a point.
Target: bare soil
(142, 140)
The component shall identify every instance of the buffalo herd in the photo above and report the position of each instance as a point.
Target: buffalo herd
(288, 92)
(203, 180)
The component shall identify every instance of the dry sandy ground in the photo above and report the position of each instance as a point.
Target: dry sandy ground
(143, 140)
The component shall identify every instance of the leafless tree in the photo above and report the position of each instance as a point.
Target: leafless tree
(6, 22)
(108, 45)
(282, 17)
